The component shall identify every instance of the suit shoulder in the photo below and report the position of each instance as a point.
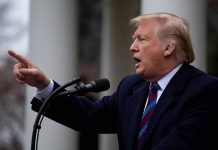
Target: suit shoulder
(202, 76)
(131, 81)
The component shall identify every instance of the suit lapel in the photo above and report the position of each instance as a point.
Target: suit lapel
(133, 111)
(175, 86)
(164, 102)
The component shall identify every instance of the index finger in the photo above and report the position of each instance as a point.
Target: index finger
(18, 57)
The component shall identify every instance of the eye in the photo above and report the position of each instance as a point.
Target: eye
(141, 39)
(138, 38)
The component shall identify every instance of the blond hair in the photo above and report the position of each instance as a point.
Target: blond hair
(174, 28)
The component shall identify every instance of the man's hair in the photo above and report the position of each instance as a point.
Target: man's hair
(174, 28)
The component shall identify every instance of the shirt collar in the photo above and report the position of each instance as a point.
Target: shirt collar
(166, 79)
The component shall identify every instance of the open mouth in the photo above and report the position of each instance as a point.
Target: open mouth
(137, 60)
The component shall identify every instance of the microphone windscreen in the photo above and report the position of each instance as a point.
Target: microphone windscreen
(100, 85)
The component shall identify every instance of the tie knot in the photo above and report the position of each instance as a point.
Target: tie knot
(154, 86)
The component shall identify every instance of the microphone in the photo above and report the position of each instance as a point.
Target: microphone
(79, 89)
(94, 86)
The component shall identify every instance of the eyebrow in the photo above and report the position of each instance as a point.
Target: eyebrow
(136, 36)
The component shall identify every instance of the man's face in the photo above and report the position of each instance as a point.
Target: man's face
(147, 51)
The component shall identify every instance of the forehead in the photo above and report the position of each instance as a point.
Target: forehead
(145, 27)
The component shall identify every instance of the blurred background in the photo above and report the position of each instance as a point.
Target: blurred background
(89, 38)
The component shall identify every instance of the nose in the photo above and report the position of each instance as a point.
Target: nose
(134, 46)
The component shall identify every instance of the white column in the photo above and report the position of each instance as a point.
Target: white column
(116, 58)
(53, 49)
(194, 11)
(116, 61)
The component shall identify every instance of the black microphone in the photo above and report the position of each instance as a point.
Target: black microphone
(79, 89)
(94, 86)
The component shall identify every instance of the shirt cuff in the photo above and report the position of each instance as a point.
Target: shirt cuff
(43, 94)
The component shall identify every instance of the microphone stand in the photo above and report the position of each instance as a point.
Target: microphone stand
(43, 108)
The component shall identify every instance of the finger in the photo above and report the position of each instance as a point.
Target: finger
(19, 66)
(20, 81)
(16, 71)
(18, 74)
(18, 57)
(19, 77)
(26, 72)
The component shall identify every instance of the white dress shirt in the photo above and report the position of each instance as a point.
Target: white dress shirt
(163, 82)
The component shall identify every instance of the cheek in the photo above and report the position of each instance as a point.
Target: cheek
(147, 55)
(151, 56)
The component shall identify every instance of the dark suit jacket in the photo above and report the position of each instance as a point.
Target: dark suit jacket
(185, 117)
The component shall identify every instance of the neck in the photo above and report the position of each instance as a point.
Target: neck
(164, 70)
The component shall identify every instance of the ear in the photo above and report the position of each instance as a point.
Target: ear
(169, 48)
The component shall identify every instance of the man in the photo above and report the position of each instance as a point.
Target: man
(181, 113)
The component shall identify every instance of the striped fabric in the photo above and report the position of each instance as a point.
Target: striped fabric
(152, 98)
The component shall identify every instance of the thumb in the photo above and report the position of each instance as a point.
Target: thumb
(27, 72)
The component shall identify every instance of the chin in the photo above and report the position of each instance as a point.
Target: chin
(138, 72)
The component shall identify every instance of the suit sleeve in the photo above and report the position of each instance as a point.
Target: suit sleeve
(82, 114)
